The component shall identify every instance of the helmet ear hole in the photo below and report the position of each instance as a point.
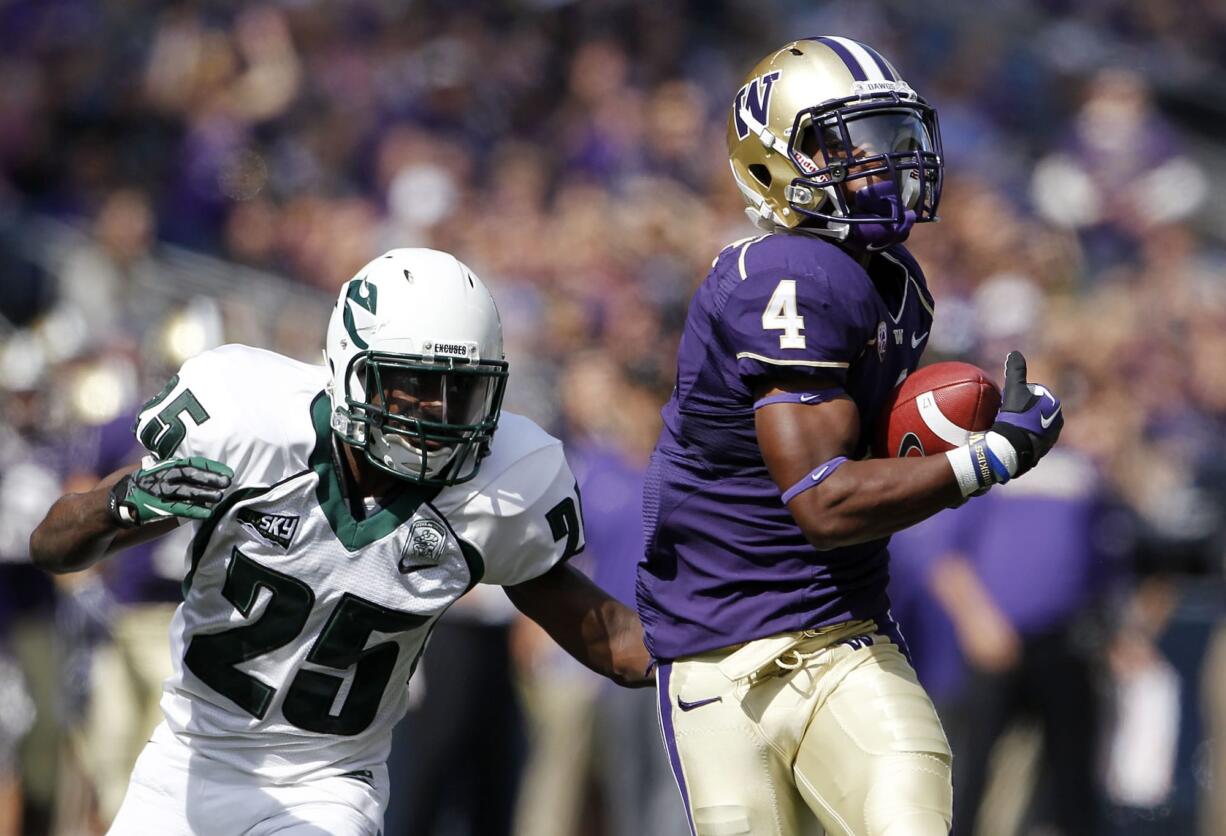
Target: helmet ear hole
(762, 174)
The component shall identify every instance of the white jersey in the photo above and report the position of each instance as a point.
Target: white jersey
(301, 624)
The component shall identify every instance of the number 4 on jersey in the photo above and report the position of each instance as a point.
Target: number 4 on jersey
(781, 315)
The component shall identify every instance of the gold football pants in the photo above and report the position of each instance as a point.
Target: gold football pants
(803, 731)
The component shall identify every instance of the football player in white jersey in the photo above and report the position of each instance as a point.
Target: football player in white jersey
(338, 512)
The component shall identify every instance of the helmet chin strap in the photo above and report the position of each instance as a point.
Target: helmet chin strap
(879, 200)
(398, 454)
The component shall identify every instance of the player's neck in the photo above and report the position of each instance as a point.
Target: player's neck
(363, 479)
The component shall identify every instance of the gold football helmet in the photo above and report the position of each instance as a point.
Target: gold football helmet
(824, 134)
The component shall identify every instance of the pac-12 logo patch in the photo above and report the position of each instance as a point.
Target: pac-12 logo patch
(754, 97)
(427, 539)
(882, 336)
(278, 529)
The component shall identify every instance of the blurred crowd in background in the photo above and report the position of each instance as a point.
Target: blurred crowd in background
(175, 175)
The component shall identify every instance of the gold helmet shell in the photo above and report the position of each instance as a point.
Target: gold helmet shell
(829, 87)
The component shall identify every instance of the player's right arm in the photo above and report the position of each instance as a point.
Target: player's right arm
(130, 506)
(180, 478)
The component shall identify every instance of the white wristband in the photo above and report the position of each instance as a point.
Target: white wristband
(1003, 450)
(962, 461)
(973, 463)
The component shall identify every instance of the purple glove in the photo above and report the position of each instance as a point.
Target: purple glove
(1029, 419)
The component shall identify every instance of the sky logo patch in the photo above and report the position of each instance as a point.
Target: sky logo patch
(278, 529)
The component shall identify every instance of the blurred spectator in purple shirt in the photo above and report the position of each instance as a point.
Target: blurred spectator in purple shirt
(925, 624)
(1121, 172)
(1025, 568)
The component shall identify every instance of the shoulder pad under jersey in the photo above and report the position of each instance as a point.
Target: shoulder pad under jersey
(801, 305)
(246, 407)
(522, 510)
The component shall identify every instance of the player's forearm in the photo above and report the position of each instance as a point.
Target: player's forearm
(587, 623)
(611, 643)
(80, 530)
(867, 500)
(618, 628)
(75, 534)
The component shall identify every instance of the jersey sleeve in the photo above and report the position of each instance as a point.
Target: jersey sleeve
(780, 322)
(534, 520)
(177, 421)
(244, 407)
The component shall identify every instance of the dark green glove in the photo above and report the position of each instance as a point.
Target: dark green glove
(173, 488)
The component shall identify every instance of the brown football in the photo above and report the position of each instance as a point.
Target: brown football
(934, 410)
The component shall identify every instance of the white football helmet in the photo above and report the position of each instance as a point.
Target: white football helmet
(418, 375)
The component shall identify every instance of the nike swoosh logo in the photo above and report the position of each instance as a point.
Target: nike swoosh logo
(1045, 420)
(916, 340)
(690, 706)
(160, 466)
(405, 568)
(807, 398)
(818, 475)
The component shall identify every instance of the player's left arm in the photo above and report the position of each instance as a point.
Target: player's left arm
(599, 631)
(529, 556)
(852, 501)
(836, 502)
(794, 337)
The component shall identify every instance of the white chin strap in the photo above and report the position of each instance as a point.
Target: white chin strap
(399, 455)
(910, 191)
(758, 210)
(768, 139)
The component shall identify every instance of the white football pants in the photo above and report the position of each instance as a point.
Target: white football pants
(177, 792)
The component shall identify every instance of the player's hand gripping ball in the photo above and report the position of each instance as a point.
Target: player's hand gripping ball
(935, 409)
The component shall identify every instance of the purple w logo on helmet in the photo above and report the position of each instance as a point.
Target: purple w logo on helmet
(756, 97)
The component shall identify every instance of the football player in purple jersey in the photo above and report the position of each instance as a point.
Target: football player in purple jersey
(787, 700)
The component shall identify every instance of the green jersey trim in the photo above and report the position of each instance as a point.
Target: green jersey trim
(472, 555)
(155, 400)
(355, 534)
(200, 542)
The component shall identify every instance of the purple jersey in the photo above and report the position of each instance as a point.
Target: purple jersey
(725, 561)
